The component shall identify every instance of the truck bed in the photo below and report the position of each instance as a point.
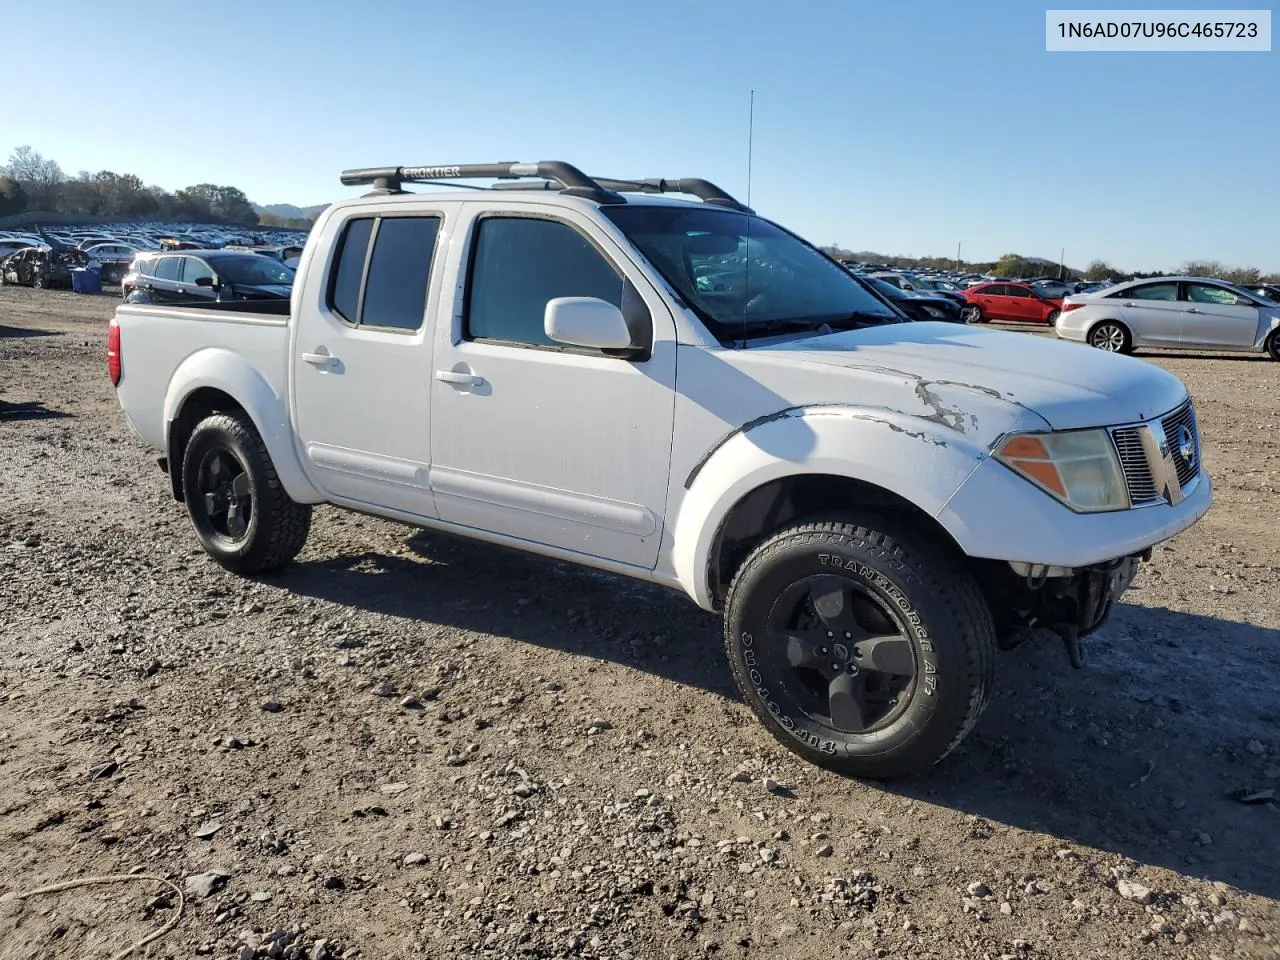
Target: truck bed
(165, 348)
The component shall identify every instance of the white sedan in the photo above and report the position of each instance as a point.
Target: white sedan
(1189, 312)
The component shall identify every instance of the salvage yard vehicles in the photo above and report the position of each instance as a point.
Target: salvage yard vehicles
(205, 275)
(1195, 313)
(875, 504)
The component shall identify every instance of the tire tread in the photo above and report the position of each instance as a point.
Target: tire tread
(940, 574)
(284, 524)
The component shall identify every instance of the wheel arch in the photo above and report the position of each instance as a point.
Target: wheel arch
(1109, 319)
(763, 479)
(219, 381)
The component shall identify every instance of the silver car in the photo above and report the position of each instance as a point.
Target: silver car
(1188, 312)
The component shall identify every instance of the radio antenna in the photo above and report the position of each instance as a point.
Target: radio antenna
(746, 253)
(751, 123)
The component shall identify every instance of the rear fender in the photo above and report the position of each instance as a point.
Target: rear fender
(919, 460)
(224, 370)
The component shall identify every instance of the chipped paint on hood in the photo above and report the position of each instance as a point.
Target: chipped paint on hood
(953, 373)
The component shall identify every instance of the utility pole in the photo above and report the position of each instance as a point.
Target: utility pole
(1062, 266)
(958, 242)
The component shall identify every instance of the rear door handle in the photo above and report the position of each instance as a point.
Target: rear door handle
(455, 376)
(1130, 304)
(319, 359)
(1194, 310)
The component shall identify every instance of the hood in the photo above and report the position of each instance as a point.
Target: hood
(1068, 385)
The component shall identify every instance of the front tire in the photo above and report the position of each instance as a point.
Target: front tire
(972, 314)
(1052, 318)
(242, 515)
(1273, 346)
(864, 651)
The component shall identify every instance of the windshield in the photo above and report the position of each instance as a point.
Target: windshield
(252, 270)
(743, 288)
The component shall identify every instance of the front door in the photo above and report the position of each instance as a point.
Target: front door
(361, 362)
(1218, 317)
(563, 446)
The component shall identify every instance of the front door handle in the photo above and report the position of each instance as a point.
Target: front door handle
(319, 359)
(1195, 310)
(456, 376)
(1130, 304)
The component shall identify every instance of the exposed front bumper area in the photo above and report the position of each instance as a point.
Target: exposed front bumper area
(1071, 602)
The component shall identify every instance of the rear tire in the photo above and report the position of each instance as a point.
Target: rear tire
(1111, 336)
(1052, 318)
(237, 506)
(885, 661)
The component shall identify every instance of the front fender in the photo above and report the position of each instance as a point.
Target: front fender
(919, 460)
(222, 369)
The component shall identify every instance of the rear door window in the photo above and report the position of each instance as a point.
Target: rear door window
(1151, 291)
(383, 270)
(167, 268)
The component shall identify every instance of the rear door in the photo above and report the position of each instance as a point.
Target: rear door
(1218, 317)
(1151, 311)
(994, 301)
(361, 379)
(1021, 304)
(163, 284)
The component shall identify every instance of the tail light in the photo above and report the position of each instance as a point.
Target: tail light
(114, 368)
(1068, 307)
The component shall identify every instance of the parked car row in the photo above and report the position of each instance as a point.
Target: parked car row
(113, 249)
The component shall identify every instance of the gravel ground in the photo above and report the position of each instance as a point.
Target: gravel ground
(410, 745)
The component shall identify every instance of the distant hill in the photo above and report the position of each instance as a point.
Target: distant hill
(289, 212)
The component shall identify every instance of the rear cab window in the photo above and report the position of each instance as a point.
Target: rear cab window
(382, 271)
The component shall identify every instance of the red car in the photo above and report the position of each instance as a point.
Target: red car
(1009, 301)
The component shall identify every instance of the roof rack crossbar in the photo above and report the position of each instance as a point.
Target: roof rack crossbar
(571, 180)
(702, 189)
(543, 175)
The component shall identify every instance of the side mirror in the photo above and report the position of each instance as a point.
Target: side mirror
(586, 322)
(204, 281)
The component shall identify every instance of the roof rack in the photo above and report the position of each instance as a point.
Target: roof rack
(543, 175)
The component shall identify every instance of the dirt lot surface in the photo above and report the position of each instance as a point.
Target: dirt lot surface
(410, 745)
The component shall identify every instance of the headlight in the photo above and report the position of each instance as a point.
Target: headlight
(1078, 467)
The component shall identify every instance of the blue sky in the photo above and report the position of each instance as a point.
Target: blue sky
(898, 127)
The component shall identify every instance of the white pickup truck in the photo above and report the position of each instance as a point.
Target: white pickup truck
(680, 391)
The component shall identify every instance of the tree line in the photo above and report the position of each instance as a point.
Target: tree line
(1018, 267)
(31, 182)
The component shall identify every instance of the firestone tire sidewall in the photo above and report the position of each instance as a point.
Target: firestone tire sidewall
(932, 722)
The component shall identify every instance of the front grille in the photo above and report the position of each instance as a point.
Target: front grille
(1187, 467)
(1137, 471)
(1160, 457)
